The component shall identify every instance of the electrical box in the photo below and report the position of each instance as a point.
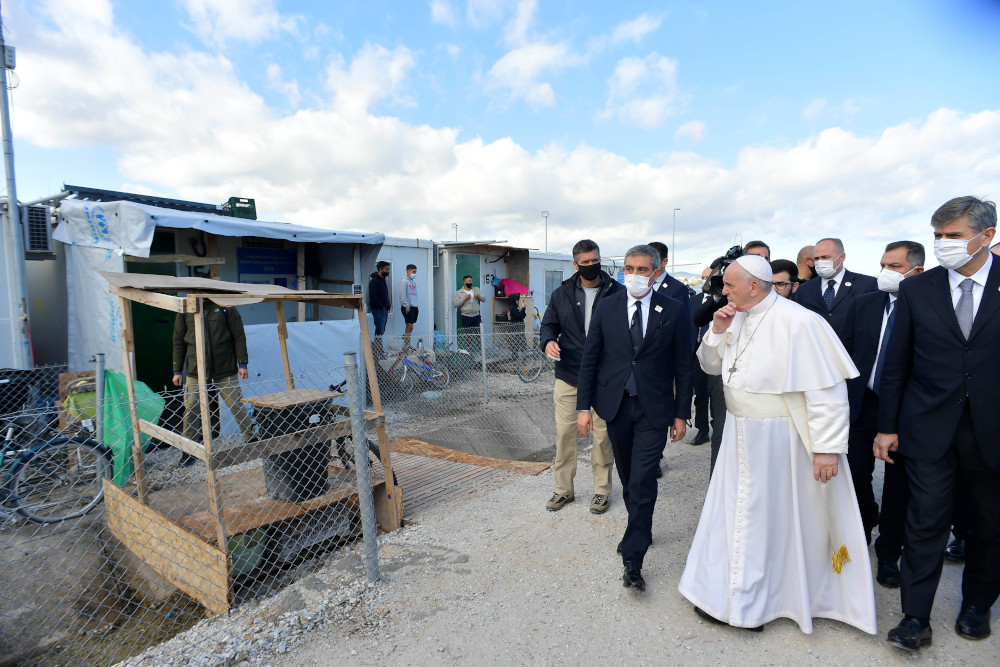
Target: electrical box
(9, 57)
(241, 207)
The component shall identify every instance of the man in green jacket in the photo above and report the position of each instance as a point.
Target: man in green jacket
(225, 363)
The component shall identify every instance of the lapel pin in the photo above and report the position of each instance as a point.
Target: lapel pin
(658, 308)
(847, 284)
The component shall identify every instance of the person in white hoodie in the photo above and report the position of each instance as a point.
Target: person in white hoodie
(408, 302)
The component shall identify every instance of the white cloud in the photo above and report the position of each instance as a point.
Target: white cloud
(693, 130)
(480, 13)
(642, 91)
(217, 22)
(516, 30)
(290, 89)
(518, 72)
(814, 109)
(636, 29)
(443, 12)
(341, 166)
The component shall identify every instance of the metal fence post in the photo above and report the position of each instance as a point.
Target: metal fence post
(369, 528)
(99, 386)
(482, 356)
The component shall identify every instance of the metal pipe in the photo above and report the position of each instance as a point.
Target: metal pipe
(482, 356)
(51, 199)
(99, 385)
(355, 400)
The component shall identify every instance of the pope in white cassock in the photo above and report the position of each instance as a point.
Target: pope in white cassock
(780, 534)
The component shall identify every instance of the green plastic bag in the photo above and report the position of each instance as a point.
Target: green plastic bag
(118, 422)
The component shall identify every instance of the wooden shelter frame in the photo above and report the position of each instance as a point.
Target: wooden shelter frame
(183, 549)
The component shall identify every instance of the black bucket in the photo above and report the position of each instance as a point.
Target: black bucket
(298, 475)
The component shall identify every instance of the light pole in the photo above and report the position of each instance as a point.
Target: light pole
(454, 226)
(673, 244)
(545, 214)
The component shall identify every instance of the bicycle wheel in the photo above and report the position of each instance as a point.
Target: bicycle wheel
(529, 365)
(60, 480)
(406, 383)
(438, 375)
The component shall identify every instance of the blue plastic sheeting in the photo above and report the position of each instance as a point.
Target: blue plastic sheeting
(127, 227)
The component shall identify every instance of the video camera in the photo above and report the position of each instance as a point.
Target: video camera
(713, 284)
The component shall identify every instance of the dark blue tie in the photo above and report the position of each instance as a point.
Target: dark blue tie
(829, 294)
(880, 363)
(636, 333)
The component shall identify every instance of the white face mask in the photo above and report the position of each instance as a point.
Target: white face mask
(888, 280)
(636, 285)
(954, 253)
(824, 268)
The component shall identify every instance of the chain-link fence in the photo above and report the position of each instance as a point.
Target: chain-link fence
(116, 540)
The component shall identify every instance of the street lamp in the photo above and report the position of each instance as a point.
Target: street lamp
(673, 245)
(454, 226)
(545, 214)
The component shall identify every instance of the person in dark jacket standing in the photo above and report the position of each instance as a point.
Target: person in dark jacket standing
(226, 362)
(563, 333)
(378, 302)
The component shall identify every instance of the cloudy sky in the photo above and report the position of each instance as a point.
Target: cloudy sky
(773, 120)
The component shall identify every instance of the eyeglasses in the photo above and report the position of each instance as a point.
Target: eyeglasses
(782, 284)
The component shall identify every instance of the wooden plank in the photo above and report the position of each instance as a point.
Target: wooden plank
(283, 343)
(128, 349)
(280, 400)
(214, 498)
(419, 448)
(190, 260)
(257, 449)
(174, 439)
(155, 299)
(247, 505)
(188, 561)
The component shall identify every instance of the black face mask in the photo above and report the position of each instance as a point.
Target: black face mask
(590, 271)
(468, 285)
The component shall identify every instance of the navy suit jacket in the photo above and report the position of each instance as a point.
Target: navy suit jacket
(868, 311)
(810, 295)
(931, 370)
(663, 360)
(675, 289)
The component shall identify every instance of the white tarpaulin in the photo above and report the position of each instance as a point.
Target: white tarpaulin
(94, 315)
(128, 227)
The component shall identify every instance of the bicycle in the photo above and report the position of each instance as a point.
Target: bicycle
(437, 375)
(51, 480)
(529, 362)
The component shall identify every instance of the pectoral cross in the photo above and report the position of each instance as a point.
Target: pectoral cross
(732, 370)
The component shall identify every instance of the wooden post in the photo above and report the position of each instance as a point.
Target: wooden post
(300, 281)
(283, 342)
(214, 497)
(213, 251)
(383, 441)
(128, 349)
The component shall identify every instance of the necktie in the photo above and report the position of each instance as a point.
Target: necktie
(964, 308)
(635, 330)
(829, 294)
(881, 349)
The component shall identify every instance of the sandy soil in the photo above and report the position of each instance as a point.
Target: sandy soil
(498, 580)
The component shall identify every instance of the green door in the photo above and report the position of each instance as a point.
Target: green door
(153, 328)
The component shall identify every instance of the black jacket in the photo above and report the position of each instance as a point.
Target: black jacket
(662, 364)
(563, 322)
(868, 311)
(840, 316)
(378, 293)
(225, 342)
(931, 370)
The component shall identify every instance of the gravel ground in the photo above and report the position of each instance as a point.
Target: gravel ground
(498, 580)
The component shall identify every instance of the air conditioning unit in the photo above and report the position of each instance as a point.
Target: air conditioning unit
(37, 224)
(437, 256)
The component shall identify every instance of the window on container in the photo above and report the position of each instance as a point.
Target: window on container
(552, 280)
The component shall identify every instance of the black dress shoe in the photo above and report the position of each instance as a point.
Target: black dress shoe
(973, 621)
(956, 550)
(910, 634)
(888, 574)
(632, 577)
(659, 472)
(701, 438)
(712, 619)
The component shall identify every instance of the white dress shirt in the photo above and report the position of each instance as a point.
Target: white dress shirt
(645, 309)
(885, 319)
(978, 284)
(837, 279)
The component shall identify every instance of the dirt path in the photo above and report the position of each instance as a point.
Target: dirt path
(498, 580)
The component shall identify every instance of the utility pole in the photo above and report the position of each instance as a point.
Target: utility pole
(14, 338)
(545, 214)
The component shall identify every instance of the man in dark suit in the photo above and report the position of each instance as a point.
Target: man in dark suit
(937, 407)
(663, 282)
(702, 392)
(831, 292)
(638, 347)
(873, 322)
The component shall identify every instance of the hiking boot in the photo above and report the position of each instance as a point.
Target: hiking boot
(599, 504)
(557, 501)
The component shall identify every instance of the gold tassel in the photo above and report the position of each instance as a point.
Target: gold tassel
(840, 558)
